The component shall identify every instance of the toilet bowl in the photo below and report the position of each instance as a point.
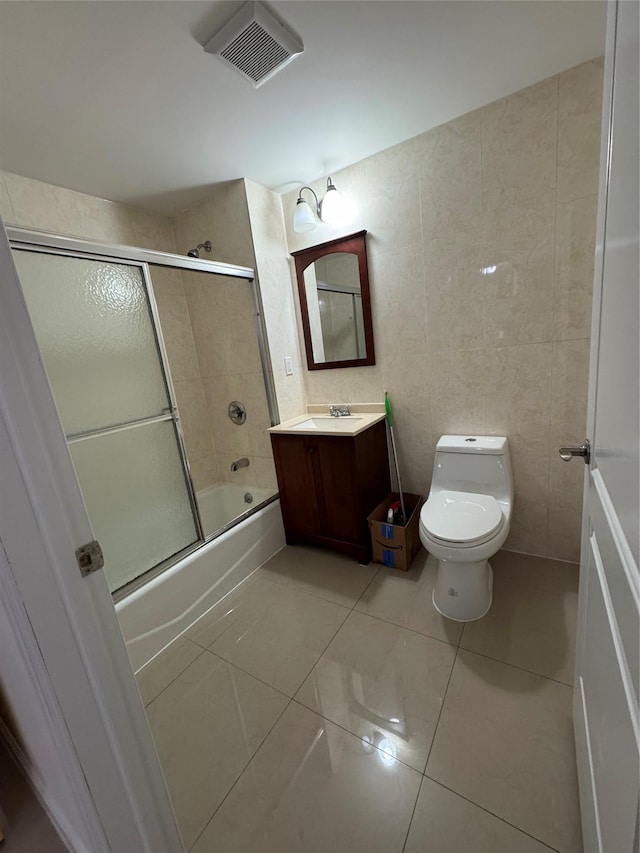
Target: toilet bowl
(466, 520)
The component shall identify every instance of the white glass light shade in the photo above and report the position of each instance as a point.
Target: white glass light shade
(303, 218)
(332, 209)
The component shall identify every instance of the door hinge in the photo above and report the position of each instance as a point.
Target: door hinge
(89, 558)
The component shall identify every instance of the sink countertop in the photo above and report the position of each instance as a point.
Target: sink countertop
(362, 417)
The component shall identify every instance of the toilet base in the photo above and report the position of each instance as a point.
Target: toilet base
(463, 591)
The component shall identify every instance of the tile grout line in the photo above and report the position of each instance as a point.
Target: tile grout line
(435, 732)
(240, 775)
(292, 587)
(197, 657)
(249, 674)
(357, 737)
(493, 814)
(405, 628)
(359, 599)
(196, 643)
(519, 668)
(353, 734)
(444, 698)
(413, 811)
(388, 621)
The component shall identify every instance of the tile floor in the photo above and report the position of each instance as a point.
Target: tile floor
(326, 707)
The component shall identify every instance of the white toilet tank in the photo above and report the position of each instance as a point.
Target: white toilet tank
(473, 463)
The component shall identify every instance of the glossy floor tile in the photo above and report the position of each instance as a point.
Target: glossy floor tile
(532, 620)
(297, 716)
(206, 725)
(165, 667)
(505, 741)
(314, 787)
(533, 572)
(443, 822)
(317, 571)
(275, 633)
(404, 598)
(383, 683)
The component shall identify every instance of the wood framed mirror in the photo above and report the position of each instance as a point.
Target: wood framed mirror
(333, 284)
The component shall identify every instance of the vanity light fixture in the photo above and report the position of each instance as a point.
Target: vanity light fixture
(332, 209)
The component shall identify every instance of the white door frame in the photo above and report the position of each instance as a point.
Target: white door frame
(67, 624)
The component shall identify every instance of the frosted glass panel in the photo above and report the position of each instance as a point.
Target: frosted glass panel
(136, 496)
(95, 333)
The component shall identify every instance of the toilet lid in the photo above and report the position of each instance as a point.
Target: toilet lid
(462, 517)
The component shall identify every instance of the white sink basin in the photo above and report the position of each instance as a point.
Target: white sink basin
(327, 423)
(321, 424)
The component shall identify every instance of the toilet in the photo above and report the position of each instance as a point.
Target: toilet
(466, 520)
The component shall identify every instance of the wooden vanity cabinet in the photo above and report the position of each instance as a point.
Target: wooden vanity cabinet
(329, 485)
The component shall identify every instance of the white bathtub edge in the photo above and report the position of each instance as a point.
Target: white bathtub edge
(159, 612)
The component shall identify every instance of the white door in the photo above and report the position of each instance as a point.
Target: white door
(607, 663)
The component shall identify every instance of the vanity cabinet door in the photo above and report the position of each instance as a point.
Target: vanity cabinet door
(337, 488)
(294, 458)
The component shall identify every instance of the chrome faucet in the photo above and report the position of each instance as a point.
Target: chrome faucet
(339, 412)
(240, 463)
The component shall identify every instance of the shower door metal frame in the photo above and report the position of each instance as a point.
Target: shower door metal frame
(28, 238)
(45, 242)
(22, 237)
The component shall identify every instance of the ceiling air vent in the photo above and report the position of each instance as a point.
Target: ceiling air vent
(255, 43)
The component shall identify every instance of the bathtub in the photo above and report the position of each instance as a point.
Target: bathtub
(158, 612)
(222, 503)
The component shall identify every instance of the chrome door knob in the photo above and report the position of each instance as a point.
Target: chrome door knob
(584, 450)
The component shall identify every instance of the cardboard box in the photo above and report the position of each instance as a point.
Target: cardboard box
(393, 545)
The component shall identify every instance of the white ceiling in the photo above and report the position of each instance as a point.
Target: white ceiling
(119, 100)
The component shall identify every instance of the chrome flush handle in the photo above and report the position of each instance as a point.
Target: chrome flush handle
(584, 450)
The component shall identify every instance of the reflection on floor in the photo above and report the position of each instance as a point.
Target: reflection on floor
(326, 706)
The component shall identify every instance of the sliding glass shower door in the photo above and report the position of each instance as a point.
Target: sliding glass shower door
(95, 330)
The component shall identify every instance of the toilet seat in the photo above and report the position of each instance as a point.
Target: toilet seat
(462, 519)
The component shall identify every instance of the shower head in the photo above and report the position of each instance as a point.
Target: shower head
(195, 253)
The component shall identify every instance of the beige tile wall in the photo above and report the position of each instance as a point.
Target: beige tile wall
(222, 218)
(509, 191)
(34, 204)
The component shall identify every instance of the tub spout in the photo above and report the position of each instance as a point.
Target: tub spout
(240, 463)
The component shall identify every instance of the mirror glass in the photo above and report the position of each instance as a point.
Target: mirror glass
(333, 285)
(334, 303)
